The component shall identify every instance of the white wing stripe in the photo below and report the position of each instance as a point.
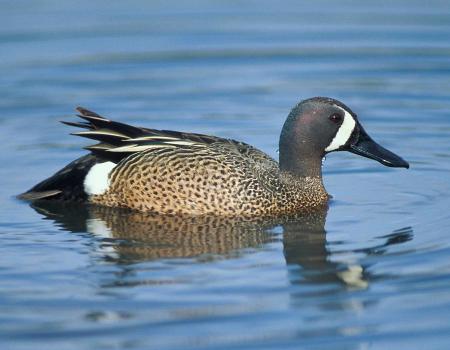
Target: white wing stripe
(148, 138)
(136, 148)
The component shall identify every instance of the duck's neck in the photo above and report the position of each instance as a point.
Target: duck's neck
(300, 156)
(302, 169)
(299, 165)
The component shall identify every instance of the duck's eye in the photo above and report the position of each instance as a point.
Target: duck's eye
(336, 118)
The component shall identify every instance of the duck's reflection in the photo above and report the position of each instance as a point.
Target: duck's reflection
(138, 236)
(129, 236)
(307, 247)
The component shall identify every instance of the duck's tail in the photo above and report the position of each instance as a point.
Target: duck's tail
(69, 182)
(66, 184)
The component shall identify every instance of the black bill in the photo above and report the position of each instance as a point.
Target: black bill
(363, 145)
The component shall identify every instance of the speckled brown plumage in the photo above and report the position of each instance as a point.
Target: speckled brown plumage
(219, 178)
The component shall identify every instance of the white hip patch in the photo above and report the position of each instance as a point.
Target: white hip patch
(344, 132)
(97, 179)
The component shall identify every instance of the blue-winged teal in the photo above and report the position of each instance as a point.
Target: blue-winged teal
(173, 172)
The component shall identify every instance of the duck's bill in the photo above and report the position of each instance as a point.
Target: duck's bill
(366, 147)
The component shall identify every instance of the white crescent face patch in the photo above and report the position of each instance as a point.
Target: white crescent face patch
(344, 132)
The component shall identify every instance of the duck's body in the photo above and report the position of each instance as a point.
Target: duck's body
(171, 172)
(221, 178)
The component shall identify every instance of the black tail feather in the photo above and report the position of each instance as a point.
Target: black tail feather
(66, 184)
(77, 125)
(98, 122)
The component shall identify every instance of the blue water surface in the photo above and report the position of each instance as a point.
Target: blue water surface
(371, 273)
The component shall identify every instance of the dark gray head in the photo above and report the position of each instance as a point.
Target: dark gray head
(320, 125)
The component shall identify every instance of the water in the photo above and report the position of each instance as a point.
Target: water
(371, 273)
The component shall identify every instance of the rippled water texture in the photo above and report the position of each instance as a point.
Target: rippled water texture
(371, 273)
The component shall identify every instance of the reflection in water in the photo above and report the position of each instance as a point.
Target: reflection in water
(306, 246)
(129, 236)
(138, 236)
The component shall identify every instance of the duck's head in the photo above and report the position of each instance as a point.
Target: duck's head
(321, 125)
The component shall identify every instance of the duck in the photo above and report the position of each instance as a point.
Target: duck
(181, 173)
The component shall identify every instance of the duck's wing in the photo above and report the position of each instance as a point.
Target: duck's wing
(118, 140)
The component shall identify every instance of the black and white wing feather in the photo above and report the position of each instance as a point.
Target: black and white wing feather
(117, 141)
